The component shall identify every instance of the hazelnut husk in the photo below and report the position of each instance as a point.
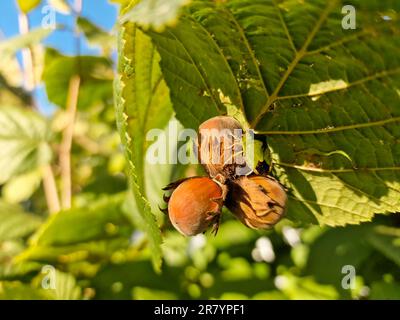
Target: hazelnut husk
(195, 204)
(257, 201)
(220, 148)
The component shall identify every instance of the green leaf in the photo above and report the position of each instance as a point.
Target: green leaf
(12, 45)
(142, 104)
(65, 285)
(144, 96)
(28, 5)
(65, 288)
(307, 84)
(96, 36)
(142, 293)
(385, 291)
(136, 274)
(155, 13)
(297, 288)
(232, 234)
(11, 94)
(90, 233)
(22, 187)
(387, 241)
(103, 219)
(336, 248)
(158, 175)
(20, 291)
(15, 222)
(96, 78)
(91, 251)
(24, 137)
(17, 271)
(11, 75)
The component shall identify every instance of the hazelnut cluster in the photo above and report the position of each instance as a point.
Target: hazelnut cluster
(195, 203)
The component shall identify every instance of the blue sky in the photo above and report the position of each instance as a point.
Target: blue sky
(100, 12)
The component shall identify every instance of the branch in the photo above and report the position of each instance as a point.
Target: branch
(27, 55)
(72, 103)
(66, 143)
(50, 190)
(49, 182)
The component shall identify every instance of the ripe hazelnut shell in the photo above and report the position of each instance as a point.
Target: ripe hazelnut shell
(220, 147)
(195, 204)
(257, 201)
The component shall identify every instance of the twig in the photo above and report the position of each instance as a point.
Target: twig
(72, 103)
(49, 182)
(27, 54)
(50, 189)
(66, 143)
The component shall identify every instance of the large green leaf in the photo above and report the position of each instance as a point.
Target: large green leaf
(142, 104)
(24, 137)
(327, 98)
(158, 175)
(144, 97)
(96, 78)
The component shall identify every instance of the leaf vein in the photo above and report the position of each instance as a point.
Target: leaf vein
(216, 45)
(334, 129)
(249, 49)
(203, 79)
(300, 54)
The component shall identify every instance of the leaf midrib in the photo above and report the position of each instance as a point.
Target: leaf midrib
(371, 77)
(345, 170)
(335, 129)
(299, 55)
(249, 49)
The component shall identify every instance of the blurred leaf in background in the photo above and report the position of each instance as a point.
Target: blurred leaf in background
(24, 142)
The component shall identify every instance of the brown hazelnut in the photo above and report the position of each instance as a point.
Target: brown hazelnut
(220, 148)
(195, 204)
(257, 201)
